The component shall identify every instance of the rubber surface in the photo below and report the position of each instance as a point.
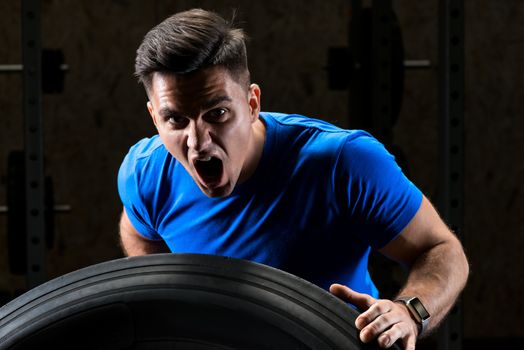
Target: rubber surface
(178, 301)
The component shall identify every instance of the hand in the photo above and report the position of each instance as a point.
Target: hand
(380, 318)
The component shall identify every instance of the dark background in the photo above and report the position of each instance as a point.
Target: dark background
(101, 113)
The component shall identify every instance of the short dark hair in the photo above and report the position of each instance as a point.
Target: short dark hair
(189, 41)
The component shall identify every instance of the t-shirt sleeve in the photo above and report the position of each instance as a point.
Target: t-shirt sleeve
(129, 190)
(379, 200)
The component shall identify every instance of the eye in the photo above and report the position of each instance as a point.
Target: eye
(176, 121)
(216, 115)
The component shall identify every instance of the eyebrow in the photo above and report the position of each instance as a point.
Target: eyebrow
(166, 112)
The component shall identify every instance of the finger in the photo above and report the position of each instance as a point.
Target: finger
(360, 300)
(390, 336)
(374, 313)
(409, 342)
(378, 319)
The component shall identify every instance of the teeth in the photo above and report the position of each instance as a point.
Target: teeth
(206, 159)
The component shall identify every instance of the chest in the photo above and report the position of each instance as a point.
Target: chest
(260, 222)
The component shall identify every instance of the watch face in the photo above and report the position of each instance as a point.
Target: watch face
(421, 310)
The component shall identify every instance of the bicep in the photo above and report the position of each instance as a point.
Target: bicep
(133, 243)
(425, 231)
(126, 227)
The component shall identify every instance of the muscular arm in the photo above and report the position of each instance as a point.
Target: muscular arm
(438, 271)
(438, 268)
(135, 244)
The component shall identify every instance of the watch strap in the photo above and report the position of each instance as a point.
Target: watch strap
(417, 310)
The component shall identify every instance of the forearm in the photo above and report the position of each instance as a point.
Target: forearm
(438, 271)
(437, 277)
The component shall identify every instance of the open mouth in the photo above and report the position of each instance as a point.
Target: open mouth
(209, 170)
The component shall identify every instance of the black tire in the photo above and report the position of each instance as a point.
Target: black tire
(178, 301)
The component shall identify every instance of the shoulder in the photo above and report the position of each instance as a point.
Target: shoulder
(372, 187)
(299, 122)
(363, 152)
(144, 159)
(144, 153)
(315, 135)
(146, 148)
(138, 180)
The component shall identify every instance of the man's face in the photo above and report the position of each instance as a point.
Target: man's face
(210, 124)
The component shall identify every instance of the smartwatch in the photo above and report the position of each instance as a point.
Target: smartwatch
(417, 311)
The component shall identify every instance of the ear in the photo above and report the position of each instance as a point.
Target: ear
(152, 112)
(254, 101)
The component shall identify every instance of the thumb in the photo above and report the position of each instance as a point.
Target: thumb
(360, 300)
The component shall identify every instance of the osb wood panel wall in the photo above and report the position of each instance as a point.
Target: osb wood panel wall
(101, 113)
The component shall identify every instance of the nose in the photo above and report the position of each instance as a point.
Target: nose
(198, 137)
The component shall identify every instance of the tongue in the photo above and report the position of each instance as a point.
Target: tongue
(210, 171)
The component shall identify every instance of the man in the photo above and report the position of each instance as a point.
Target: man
(295, 193)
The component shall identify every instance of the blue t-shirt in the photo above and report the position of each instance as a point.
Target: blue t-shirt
(320, 199)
